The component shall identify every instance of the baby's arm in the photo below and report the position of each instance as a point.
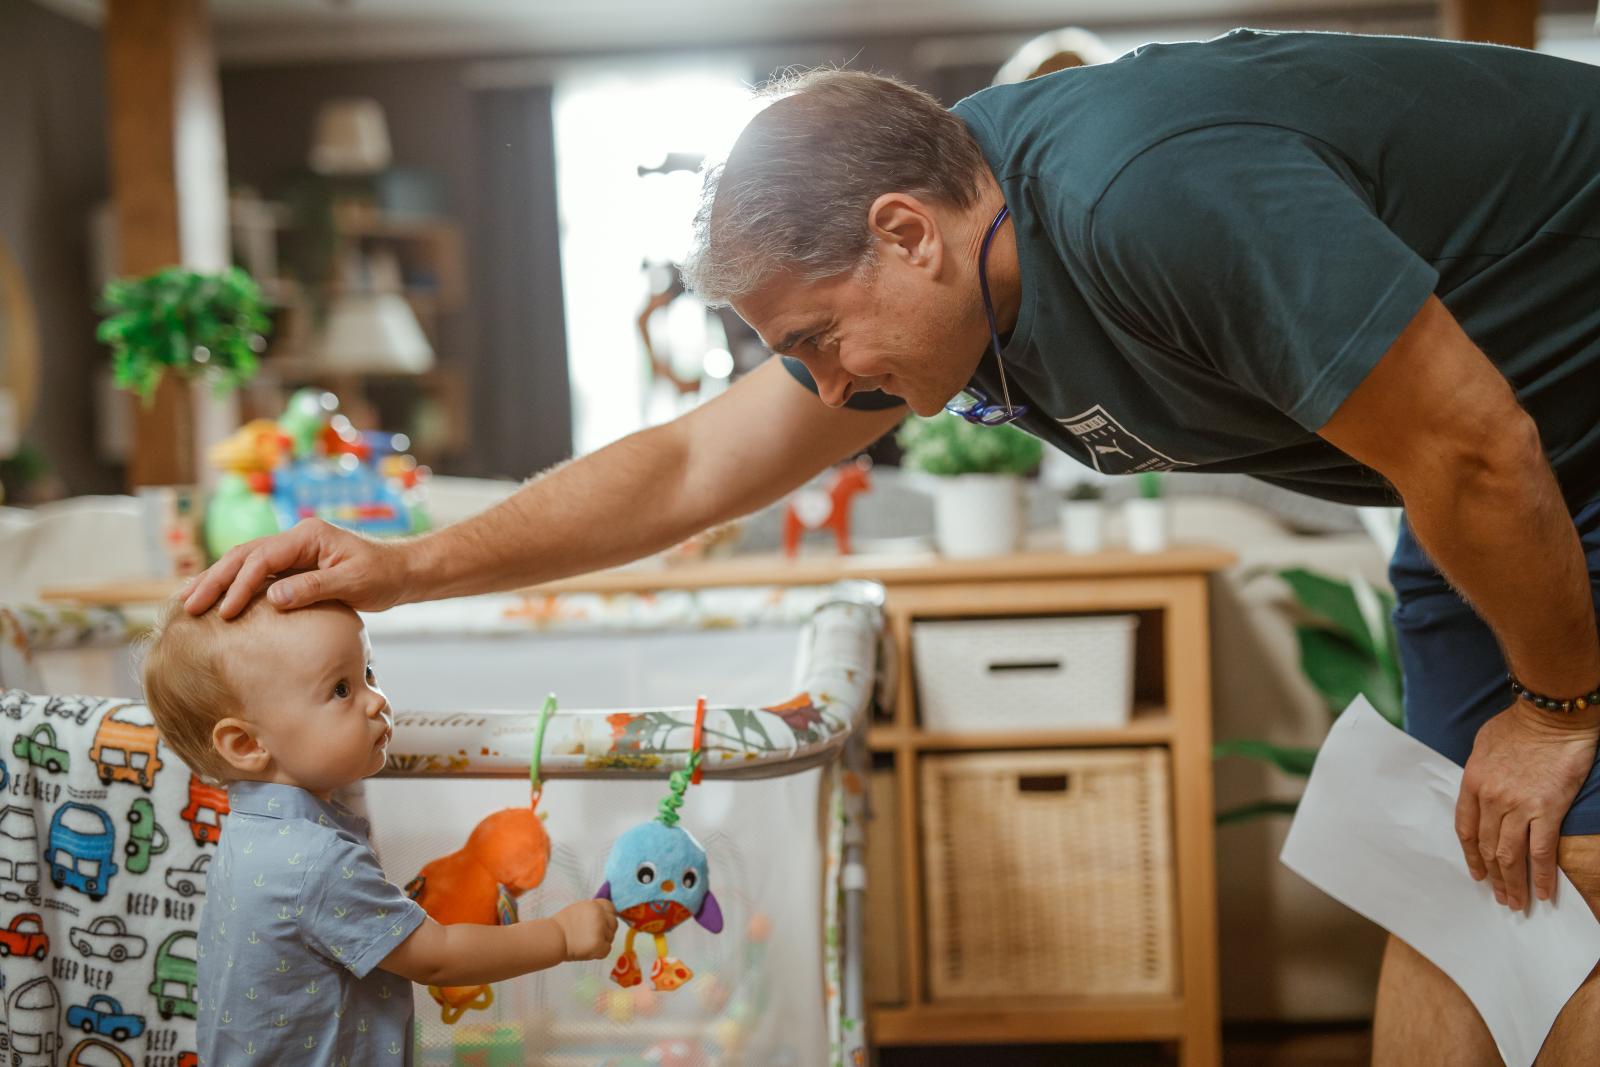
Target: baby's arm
(472, 954)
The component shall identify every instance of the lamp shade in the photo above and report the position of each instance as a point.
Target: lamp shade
(373, 333)
(351, 137)
(1053, 51)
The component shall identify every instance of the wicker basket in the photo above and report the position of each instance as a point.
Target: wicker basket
(987, 675)
(1049, 874)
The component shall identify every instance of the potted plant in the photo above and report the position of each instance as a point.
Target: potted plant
(1083, 518)
(180, 328)
(1348, 648)
(1146, 515)
(977, 478)
(188, 323)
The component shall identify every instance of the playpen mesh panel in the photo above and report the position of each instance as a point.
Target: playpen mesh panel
(757, 994)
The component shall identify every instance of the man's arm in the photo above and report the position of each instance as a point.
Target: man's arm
(1439, 421)
(746, 448)
(764, 437)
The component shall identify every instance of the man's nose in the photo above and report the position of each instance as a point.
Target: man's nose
(833, 385)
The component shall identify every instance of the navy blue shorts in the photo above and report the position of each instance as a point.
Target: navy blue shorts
(1455, 677)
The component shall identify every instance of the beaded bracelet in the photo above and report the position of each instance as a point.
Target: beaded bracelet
(1544, 703)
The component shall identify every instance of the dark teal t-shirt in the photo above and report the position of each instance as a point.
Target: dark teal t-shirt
(1219, 240)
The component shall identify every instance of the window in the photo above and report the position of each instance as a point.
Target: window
(608, 124)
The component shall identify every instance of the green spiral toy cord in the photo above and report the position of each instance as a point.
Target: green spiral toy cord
(681, 779)
(667, 810)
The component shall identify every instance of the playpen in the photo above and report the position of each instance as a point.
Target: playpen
(790, 677)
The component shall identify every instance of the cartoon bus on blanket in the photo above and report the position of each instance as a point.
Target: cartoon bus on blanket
(207, 806)
(34, 1016)
(175, 975)
(82, 842)
(19, 854)
(125, 746)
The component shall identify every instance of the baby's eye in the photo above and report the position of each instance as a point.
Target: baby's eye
(372, 675)
(341, 690)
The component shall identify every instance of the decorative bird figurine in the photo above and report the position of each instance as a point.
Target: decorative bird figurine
(657, 876)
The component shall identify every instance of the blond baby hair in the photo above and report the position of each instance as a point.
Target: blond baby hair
(186, 681)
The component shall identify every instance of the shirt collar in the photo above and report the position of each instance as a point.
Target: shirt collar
(274, 800)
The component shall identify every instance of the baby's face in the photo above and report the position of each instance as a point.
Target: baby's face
(306, 683)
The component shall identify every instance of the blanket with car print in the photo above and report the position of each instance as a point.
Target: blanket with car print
(104, 841)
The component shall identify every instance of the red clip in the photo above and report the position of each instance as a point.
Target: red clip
(699, 729)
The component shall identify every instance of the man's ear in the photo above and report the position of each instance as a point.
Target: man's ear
(235, 741)
(906, 228)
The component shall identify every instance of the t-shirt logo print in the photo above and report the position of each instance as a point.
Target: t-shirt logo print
(1113, 449)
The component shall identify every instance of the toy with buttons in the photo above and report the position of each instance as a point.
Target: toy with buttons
(313, 463)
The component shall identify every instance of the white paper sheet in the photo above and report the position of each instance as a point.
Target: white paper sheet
(1376, 831)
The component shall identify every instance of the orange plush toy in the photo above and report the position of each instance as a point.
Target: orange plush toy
(505, 856)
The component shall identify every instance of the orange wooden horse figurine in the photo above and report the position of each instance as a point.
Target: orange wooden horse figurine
(826, 509)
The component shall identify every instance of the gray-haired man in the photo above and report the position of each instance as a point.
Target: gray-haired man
(1362, 268)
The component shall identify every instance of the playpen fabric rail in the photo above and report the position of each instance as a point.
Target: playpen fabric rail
(809, 727)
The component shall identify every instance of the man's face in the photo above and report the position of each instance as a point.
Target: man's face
(912, 332)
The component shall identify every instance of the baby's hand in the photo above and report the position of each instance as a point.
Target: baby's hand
(589, 927)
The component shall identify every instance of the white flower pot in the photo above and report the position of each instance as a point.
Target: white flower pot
(977, 515)
(1083, 526)
(1147, 524)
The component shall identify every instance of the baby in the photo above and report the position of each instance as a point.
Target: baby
(306, 950)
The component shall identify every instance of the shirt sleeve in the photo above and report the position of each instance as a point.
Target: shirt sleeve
(354, 915)
(876, 400)
(1258, 251)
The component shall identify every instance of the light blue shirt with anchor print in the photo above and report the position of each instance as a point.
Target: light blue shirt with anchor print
(298, 915)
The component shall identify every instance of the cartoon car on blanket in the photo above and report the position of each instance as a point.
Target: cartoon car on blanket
(104, 1015)
(25, 937)
(107, 936)
(189, 881)
(39, 748)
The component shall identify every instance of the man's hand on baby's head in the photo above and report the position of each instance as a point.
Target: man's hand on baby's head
(589, 927)
(319, 561)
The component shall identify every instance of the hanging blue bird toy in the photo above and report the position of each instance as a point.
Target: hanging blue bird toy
(658, 876)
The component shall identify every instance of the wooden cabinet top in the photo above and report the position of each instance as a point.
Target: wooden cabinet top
(758, 570)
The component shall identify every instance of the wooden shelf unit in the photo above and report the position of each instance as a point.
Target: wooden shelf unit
(1173, 687)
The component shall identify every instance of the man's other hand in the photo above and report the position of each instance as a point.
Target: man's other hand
(1526, 766)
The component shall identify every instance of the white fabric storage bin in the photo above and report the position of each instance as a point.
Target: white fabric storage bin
(979, 676)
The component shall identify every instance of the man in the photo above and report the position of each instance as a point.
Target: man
(1362, 268)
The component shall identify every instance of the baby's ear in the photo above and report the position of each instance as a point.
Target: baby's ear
(236, 743)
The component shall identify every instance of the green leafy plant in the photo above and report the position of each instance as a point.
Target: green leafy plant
(184, 322)
(1347, 647)
(948, 445)
(1084, 491)
(1150, 487)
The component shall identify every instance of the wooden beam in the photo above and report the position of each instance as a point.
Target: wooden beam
(1513, 22)
(169, 183)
